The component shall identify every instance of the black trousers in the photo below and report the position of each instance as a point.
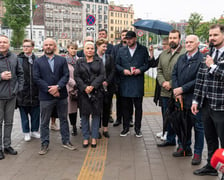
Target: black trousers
(107, 103)
(127, 104)
(118, 107)
(72, 118)
(214, 128)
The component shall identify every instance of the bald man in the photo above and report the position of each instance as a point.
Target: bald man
(183, 82)
(87, 39)
(51, 75)
(11, 81)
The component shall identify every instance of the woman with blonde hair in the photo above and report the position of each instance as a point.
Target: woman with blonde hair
(89, 75)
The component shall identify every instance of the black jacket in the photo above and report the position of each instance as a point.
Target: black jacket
(184, 75)
(109, 73)
(10, 88)
(89, 74)
(29, 95)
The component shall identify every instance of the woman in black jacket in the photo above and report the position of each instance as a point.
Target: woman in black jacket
(89, 75)
(108, 83)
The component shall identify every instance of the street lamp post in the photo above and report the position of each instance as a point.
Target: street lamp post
(31, 19)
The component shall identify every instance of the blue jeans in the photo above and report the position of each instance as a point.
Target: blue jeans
(46, 108)
(95, 126)
(171, 135)
(34, 113)
(198, 134)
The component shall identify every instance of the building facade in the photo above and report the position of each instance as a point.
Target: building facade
(62, 20)
(98, 9)
(120, 18)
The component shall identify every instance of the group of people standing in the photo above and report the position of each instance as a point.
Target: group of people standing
(88, 79)
(84, 80)
(196, 80)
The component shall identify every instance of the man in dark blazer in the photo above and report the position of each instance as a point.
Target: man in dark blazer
(51, 75)
(131, 63)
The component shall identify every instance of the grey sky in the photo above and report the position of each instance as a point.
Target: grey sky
(176, 10)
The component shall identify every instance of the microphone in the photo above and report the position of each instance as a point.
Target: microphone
(217, 160)
(211, 46)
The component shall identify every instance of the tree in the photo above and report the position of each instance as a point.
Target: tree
(17, 17)
(202, 31)
(193, 23)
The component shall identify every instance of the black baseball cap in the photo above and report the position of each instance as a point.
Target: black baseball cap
(130, 34)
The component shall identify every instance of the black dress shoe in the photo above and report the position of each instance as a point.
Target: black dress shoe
(106, 134)
(1, 155)
(10, 151)
(85, 145)
(117, 123)
(93, 145)
(166, 143)
(206, 170)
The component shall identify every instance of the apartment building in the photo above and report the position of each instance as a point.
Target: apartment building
(62, 20)
(120, 17)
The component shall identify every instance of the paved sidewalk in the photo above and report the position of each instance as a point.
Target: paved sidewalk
(126, 158)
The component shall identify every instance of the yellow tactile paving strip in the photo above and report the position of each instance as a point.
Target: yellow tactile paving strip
(93, 166)
(94, 163)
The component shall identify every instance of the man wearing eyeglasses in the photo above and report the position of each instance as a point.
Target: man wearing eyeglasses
(27, 99)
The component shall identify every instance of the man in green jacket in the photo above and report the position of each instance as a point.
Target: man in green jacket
(167, 60)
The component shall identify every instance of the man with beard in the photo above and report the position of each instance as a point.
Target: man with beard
(51, 76)
(131, 63)
(167, 60)
(209, 96)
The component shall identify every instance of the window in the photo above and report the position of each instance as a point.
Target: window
(112, 36)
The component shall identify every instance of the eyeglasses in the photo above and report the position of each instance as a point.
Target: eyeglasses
(27, 46)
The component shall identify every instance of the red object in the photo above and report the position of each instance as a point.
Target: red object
(90, 20)
(204, 50)
(217, 160)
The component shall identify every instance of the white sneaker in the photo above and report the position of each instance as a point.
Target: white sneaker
(27, 137)
(35, 134)
(54, 127)
(163, 138)
(159, 135)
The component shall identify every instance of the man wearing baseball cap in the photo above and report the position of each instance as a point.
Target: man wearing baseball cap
(131, 63)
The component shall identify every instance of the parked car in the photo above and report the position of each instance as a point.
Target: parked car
(160, 47)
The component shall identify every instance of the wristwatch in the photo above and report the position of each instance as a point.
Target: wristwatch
(59, 88)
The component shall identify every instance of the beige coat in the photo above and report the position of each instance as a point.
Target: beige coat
(72, 105)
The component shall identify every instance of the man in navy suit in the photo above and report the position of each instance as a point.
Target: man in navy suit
(51, 75)
(131, 63)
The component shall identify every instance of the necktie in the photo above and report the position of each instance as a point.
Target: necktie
(216, 56)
